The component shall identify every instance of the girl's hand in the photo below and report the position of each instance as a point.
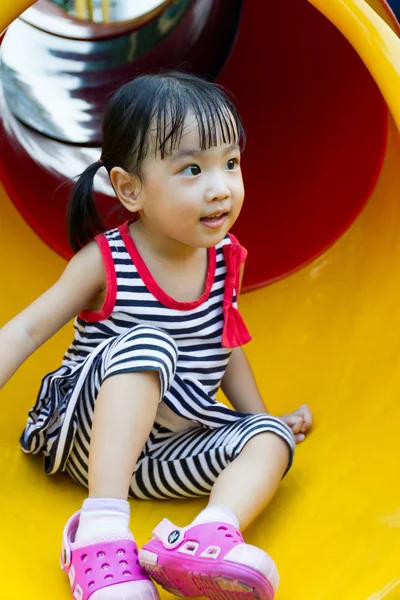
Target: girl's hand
(299, 421)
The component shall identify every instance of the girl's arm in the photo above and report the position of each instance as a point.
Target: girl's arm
(239, 385)
(82, 280)
(240, 388)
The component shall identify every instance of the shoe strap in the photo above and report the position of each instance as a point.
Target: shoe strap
(169, 534)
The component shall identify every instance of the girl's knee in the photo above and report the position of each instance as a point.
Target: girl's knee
(267, 446)
(274, 425)
(265, 431)
(143, 348)
(145, 340)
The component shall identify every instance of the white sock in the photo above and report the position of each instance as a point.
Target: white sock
(102, 516)
(213, 514)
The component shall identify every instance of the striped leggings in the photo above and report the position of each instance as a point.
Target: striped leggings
(181, 464)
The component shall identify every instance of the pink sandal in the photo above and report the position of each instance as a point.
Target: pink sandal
(99, 565)
(208, 560)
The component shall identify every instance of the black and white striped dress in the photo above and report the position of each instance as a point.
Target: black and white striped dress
(139, 328)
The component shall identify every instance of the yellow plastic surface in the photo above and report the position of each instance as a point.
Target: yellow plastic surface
(328, 335)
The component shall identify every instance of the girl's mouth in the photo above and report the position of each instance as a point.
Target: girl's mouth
(214, 221)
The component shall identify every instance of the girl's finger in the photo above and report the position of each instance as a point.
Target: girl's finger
(308, 420)
(295, 422)
(298, 425)
(300, 437)
(306, 415)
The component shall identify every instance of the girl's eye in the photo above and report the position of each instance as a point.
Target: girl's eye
(232, 164)
(192, 170)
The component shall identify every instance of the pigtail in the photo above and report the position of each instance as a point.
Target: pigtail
(83, 220)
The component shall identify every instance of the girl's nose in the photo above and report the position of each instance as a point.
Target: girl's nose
(217, 190)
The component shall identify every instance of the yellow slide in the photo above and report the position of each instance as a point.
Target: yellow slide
(328, 335)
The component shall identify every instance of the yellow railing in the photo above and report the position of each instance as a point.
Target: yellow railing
(84, 9)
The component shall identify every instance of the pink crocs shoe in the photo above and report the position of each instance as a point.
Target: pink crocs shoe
(101, 564)
(208, 560)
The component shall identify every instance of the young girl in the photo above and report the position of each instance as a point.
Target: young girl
(132, 409)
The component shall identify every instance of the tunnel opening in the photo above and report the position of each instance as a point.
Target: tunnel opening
(316, 125)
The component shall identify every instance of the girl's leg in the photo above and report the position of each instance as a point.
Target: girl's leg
(249, 483)
(247, 460)
(240, 465)
(124, 415)
(117, 409)
(125, 409)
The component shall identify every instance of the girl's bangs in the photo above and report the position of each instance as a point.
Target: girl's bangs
(217, 120)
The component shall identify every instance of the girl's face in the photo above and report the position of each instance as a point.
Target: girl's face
(192, 196)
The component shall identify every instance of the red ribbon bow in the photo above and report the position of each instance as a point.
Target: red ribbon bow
(235, 332)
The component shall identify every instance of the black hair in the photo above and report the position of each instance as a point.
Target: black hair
(160, 101)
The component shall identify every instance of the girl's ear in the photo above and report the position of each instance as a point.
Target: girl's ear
(127, 188)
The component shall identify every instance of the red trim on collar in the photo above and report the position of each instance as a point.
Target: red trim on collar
(151, 283)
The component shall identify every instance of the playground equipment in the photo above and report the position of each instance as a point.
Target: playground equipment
(317, 84)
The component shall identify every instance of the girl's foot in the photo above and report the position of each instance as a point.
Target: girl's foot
(104, 567)
(208, 559)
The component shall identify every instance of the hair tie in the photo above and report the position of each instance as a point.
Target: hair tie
(100, 162)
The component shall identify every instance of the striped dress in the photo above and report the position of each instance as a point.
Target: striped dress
(141, 328)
